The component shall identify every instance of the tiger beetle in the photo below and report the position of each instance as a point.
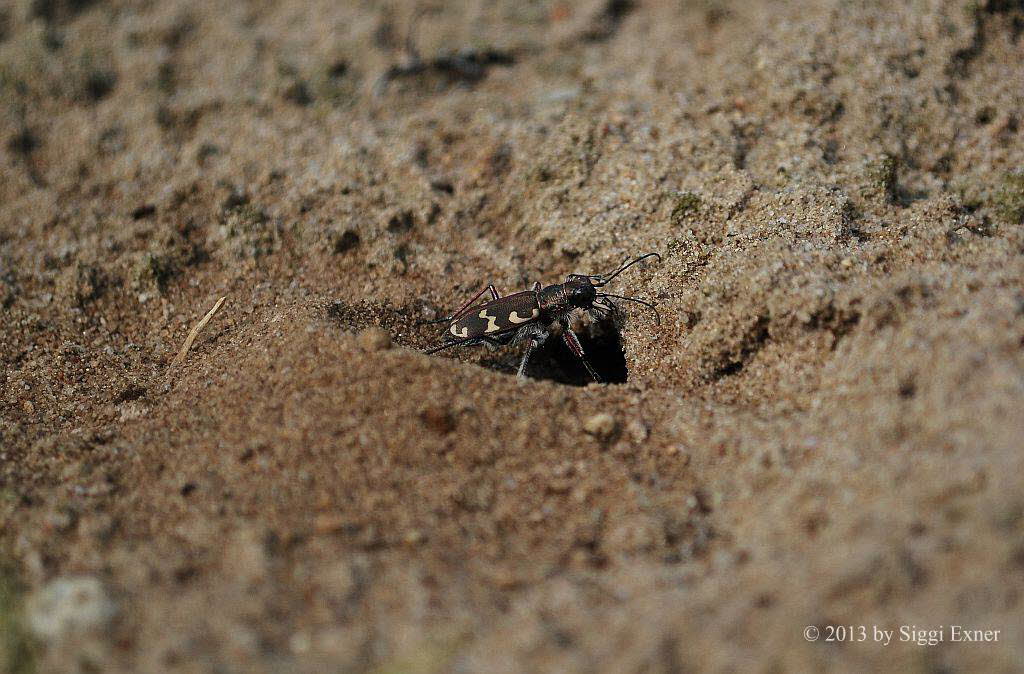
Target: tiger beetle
(536, 314)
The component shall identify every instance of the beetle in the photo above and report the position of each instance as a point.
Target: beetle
(534, 315)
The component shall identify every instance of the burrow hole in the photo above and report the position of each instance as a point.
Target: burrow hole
(601, 342)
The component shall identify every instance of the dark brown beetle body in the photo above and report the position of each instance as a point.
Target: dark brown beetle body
(533, 315)
(497, 317)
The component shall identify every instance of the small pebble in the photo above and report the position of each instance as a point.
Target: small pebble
(504, 579)
(69, 604)
(438, 419)
(638, 430)
(601, 426)
(245, 556)
(59, 521)
(623, 449)
(300, 643)
(632, 534)
(374, 339)
(328, 523)
(559, 486)
(681, 454)
(413, 537)
(338, 580)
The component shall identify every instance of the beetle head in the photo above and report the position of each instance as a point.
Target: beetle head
(580, 291)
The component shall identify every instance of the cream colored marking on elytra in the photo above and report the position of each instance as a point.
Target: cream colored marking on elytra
(459, 333)
(492, 323)
(515, 318)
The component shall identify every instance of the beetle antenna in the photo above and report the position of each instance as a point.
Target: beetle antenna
(605, 279)
(650, 306)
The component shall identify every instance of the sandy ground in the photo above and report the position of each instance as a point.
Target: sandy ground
(824, 430)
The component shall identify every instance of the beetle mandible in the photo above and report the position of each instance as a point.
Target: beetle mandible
(534, 315)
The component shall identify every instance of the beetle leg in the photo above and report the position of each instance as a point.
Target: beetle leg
(605, 311)
(531, 344)
(492, 343)
(573, 342)
(462, 310)
(448, 345)
(490, 288)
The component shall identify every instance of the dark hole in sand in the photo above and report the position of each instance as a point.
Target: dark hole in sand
(601, 342)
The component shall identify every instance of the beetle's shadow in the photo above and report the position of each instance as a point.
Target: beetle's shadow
(601, 342)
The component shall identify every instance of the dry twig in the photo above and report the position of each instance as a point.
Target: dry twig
(195, 332)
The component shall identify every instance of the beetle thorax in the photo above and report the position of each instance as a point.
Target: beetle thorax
(560, 299)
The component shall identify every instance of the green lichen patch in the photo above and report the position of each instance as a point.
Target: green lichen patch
(1009, 198)
(880, 176)
(686, 205)
(17, 650)
(296, 91)
(152, 269)
(167, 256)
(82, 283)
(541, 174)
(248, 232)
(336, 83)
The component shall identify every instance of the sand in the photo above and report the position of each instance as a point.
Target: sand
(824, 430)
